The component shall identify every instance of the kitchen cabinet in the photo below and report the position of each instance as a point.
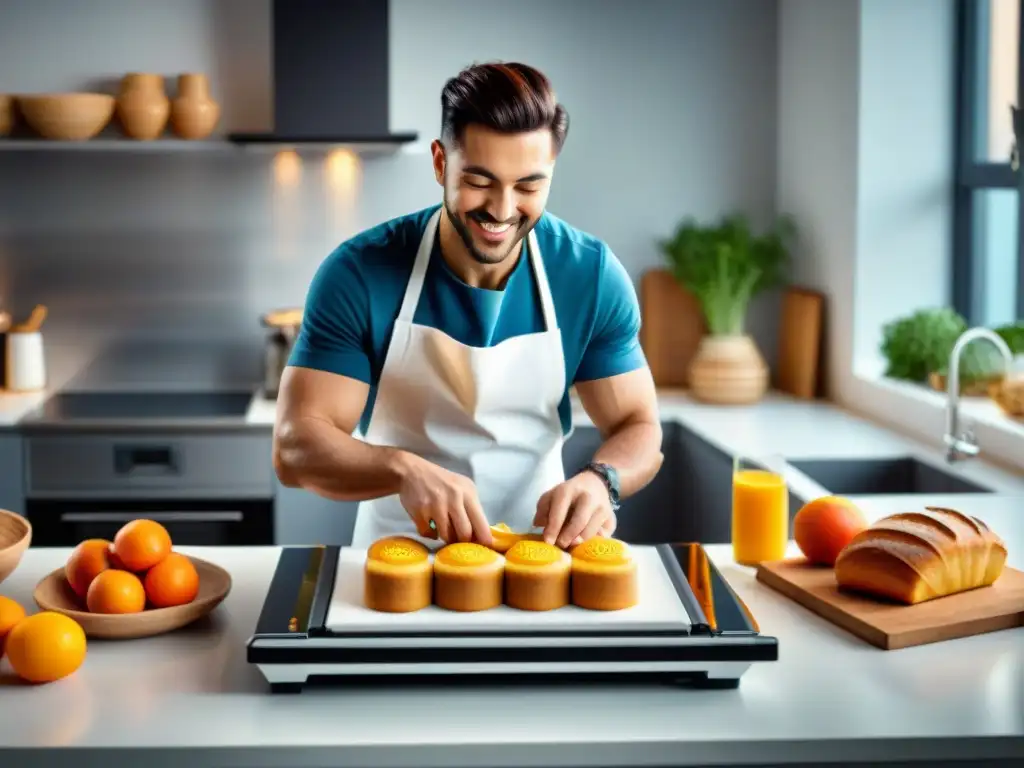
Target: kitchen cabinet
(690, 499)
(12, 479)
(703, 493)
(652, 515)
(303, 518)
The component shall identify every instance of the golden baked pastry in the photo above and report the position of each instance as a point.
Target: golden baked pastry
(911, 557)
(468, 577)
(604, 575)
(503, 537)
(537, 576)
(398, 576)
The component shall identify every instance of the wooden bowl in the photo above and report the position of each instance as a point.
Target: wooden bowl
(1008, 394)
(15, 536)
(67, 116)
(54, 593)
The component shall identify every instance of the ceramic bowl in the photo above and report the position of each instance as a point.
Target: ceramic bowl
(15, 536)
(54, 593)
(67, 116)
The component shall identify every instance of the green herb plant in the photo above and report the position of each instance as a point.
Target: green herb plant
(725, 264)
(919, 344)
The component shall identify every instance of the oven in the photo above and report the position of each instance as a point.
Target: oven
(211, 487)
(190, 522)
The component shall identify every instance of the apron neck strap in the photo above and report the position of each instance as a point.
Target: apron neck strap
(543, 288)
(419, 272)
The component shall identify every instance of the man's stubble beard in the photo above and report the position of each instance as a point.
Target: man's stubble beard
(462, 229)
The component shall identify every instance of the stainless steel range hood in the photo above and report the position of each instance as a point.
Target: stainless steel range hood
(330, 77)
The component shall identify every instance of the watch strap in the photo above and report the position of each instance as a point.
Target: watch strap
(607, 475)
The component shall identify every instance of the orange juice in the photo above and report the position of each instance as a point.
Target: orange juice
(760, 516)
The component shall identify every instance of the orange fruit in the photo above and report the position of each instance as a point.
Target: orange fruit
(503, 537)
(11, 613)
(45, 647)
(88, 560)
(141, 544)
(115, 561)
(173, 581)
(116, 591)
(823, 527)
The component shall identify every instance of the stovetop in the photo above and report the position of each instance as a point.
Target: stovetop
(141, 407)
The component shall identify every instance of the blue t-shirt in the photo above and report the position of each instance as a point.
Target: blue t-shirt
(356, 294)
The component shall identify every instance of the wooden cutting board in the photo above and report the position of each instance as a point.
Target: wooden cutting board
(798, 371)
(889, 626)
(672, 327)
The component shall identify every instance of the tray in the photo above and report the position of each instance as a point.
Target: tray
(660, 607)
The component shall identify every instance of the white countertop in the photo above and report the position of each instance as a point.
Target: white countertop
(829, 691)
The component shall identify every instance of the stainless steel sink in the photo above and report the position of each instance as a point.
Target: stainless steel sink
(890, 476)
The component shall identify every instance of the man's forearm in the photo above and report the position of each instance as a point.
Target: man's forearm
(634, 449)
(318, 456)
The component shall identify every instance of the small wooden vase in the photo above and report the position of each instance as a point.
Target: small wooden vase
(728, 370)
(194, 114)
(142, 106)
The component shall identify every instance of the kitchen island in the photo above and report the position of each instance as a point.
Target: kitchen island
(190, 698)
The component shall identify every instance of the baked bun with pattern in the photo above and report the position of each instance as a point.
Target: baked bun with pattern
(537, 576)
(398, 575)
(604, 575)
(468, 577)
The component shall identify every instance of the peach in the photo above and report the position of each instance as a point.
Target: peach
(87, 561)
(823, 527)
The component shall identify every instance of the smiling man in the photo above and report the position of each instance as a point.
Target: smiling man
(451, 336)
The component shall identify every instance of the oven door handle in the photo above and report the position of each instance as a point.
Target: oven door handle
(197, 516)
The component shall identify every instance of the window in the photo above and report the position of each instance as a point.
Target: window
(988, 258)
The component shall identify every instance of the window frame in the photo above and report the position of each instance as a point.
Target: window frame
(971, 175)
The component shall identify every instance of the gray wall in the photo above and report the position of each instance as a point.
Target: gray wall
(673, 107)
(864, 162)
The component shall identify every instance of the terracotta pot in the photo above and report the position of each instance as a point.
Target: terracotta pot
(728, 370)
(194, 114)
(142, 106)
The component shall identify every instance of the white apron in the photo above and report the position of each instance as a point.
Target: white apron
(490, 414)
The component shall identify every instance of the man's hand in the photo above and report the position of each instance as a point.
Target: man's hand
(429, 492)
(575, 510)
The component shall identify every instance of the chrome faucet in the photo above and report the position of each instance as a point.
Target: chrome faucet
(962, 445)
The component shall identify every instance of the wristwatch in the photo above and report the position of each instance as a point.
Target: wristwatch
(610, 477)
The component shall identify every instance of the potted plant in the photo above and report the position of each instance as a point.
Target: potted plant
(724, 265)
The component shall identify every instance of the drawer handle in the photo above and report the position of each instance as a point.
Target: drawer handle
(217, 516)
(145, 459)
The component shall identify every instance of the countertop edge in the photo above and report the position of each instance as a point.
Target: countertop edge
(1007, 750)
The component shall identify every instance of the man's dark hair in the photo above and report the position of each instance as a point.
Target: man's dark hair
(505, 97)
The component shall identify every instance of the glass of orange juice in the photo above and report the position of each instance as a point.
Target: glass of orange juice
(760, 510)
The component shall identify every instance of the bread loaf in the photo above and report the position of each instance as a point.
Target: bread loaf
(911, 557)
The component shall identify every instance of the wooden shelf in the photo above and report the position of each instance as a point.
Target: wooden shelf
(104, 144)
(170, 145)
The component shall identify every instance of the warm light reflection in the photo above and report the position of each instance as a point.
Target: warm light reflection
(287, 207)
(342, 176)
(342, 170)
(287, 168)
